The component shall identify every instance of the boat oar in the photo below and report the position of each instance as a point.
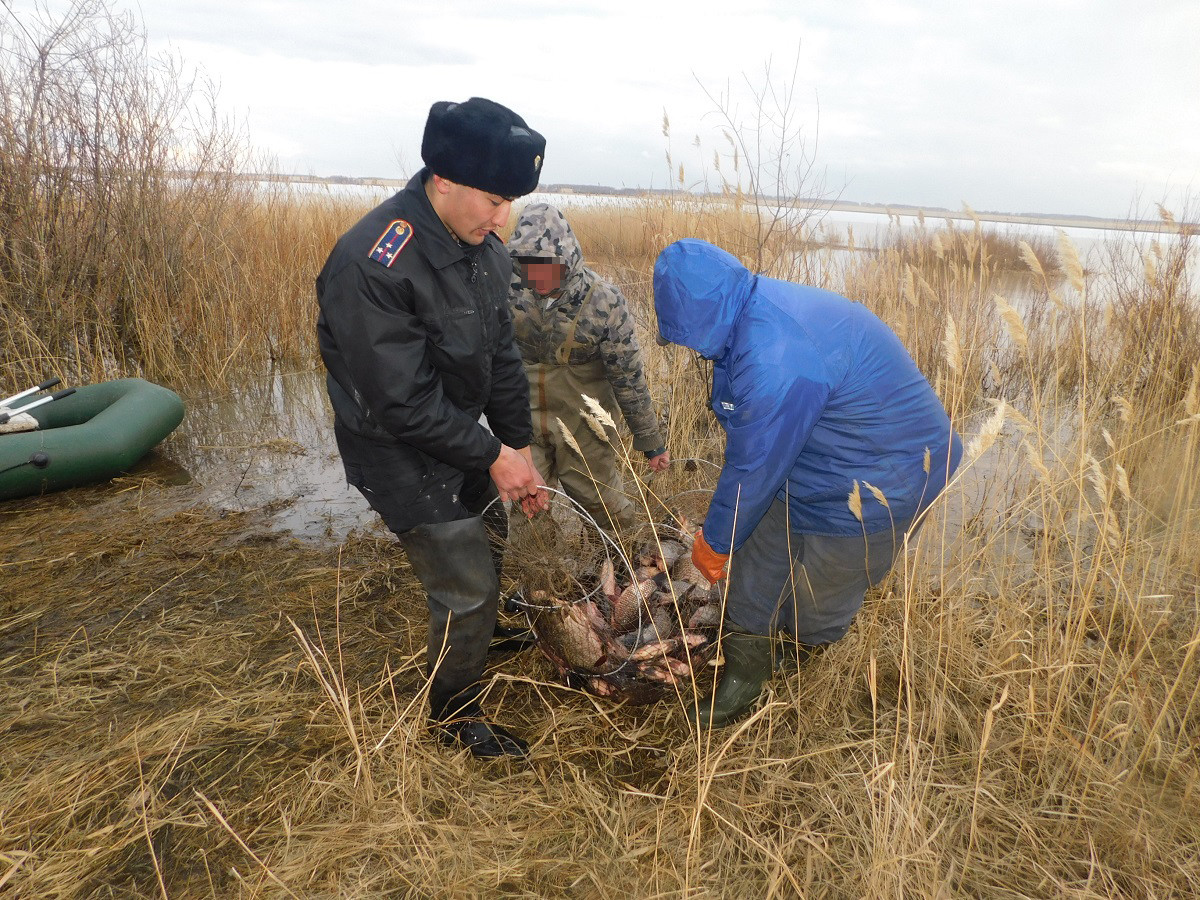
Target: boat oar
(48, 383)
(41, 401)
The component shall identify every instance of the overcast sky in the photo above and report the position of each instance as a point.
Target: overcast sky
(1057, 106)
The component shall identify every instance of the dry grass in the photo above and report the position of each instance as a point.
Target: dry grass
(197, 706)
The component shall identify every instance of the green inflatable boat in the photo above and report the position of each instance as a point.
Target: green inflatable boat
(96, 432)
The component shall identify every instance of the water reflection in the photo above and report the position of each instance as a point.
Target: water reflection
(269, 445)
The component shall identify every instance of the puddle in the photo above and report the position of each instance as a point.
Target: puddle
(269, 446)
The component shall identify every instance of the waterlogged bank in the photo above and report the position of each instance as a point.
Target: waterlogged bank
(267, 444)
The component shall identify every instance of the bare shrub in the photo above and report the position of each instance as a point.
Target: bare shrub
(125, 226)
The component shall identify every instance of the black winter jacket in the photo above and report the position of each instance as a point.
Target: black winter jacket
(418, 341)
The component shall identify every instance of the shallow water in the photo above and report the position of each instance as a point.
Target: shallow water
(269, 446)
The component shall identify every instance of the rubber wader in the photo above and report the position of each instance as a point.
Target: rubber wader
(750, 661)
(505, 638)
(453, 562)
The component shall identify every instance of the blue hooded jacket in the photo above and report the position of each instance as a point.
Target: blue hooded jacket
(814, 392)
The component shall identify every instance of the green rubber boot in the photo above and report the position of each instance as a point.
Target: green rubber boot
(749, 663)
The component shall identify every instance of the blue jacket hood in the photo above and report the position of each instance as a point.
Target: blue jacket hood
(700, 291)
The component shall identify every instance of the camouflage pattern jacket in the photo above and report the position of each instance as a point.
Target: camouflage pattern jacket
(579, 341)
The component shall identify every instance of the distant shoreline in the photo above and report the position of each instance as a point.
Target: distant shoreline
(1052, 219)
(1056, 220)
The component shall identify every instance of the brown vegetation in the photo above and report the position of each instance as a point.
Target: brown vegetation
(126, 246)
(197, 706)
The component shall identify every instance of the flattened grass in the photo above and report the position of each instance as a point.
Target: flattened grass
(197, 706)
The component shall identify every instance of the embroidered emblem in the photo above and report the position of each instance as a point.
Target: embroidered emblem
(391, 242)
(537, 163)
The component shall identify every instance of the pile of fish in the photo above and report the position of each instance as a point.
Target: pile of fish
(637, 637)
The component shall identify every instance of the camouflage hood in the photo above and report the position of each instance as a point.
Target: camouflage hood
(542, 231)
(579, 340)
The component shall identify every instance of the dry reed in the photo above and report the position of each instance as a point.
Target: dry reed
(198, 706)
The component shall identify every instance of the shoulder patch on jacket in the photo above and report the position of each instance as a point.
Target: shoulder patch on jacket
(391, 242)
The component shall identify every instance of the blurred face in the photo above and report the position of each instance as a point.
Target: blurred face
(470, 213)
(544, 278)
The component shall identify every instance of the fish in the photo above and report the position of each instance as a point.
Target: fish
(707, 616)
(660, 555)
(600, 687)
(678, 667)
(636, 634)
(629, 607)
(663, 647)
(685, 570)
(578, 634)
(595, 616)
(669, 552)
(658, 673)
(608, 580)
(693, 640)
(687, 529)
(647, 558)
(664, 621)
(681, 590)
(661, 624)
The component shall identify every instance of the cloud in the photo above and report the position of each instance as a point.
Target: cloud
(1068, 107)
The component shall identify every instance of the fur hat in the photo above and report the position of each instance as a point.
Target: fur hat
(483, 145)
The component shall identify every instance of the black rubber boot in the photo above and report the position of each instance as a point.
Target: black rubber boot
(749, 663)
(454, 565)
(468, 728)
(509, 639)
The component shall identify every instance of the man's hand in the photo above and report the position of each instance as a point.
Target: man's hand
(710, 563)
(660, 462)
(540, 500)
(517, 480)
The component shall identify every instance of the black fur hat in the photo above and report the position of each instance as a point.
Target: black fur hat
(483, 145)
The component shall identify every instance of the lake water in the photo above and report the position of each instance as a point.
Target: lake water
(869, 227)
(269, 446)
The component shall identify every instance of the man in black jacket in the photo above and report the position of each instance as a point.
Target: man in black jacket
(415, 333)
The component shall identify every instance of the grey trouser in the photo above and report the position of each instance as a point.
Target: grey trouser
(810, 586)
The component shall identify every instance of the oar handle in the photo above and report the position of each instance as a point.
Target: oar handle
(48, 383)
(41, 401)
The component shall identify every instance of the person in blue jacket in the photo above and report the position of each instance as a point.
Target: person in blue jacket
(835, 443)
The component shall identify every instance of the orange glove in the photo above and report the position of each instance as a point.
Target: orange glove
(710, 563)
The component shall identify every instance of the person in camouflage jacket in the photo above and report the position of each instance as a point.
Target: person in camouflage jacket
(576, 337)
